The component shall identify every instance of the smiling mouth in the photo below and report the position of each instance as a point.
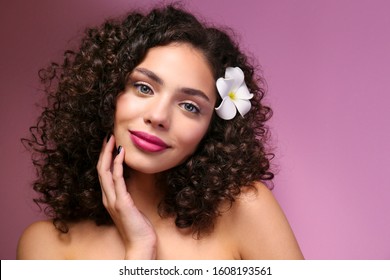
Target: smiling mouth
(147, 142)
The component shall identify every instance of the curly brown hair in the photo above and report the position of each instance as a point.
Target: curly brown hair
(81, 98)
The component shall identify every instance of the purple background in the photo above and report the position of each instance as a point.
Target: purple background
(327, 64)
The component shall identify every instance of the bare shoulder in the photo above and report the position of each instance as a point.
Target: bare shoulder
(260, 228)
(41, 240)
(84, 240)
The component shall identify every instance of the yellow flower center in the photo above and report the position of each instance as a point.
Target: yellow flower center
(232, 95)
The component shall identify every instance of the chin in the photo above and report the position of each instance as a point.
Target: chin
(149, 170)
(153, 166)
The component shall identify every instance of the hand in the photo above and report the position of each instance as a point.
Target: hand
(135, 229)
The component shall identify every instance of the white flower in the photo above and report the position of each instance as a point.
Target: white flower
(235, 94)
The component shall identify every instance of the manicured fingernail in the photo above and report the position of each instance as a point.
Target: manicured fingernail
(119, 150)
(108, 136)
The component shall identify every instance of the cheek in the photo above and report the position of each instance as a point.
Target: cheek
(189, 141)
(125, 108)
(120, 107)
(193, 136)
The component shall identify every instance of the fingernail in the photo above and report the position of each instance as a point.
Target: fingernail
(108, 136)
(119, 150)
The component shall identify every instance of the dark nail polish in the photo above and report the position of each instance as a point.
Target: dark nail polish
(119, 150)
(108, 136)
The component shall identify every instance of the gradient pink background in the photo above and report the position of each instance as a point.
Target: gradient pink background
(327, 64)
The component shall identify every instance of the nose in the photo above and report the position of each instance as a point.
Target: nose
(158, 114)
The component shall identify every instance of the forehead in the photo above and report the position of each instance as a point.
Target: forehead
(181, 65)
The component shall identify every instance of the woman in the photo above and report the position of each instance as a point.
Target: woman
(180, 171)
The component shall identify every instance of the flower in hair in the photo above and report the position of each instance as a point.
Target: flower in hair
(235, 94)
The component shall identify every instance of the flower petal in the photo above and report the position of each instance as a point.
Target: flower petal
(224, 86)
(236, 74)
(243, 92)
(226, 110)
(243, 106)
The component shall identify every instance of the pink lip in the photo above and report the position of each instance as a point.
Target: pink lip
(147, 142)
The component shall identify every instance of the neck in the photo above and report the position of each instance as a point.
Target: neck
(146, 192)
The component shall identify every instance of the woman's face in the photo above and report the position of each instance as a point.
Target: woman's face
(165, 109)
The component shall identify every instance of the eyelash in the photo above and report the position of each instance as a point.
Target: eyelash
(194, 108)
(139, 85)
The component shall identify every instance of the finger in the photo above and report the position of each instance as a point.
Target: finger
(105, 156)
(117, 175)
(104, 170)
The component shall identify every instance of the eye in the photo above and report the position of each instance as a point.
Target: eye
(143, 89)
(190, 107)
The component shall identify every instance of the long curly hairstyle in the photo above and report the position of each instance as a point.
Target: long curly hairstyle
(81, 98)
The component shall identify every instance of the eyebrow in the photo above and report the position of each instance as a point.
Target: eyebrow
(185, 90)
(195, 92)
(150, 75)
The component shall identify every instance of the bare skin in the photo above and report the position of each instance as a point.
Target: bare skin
(178, 111)
(254, 228)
